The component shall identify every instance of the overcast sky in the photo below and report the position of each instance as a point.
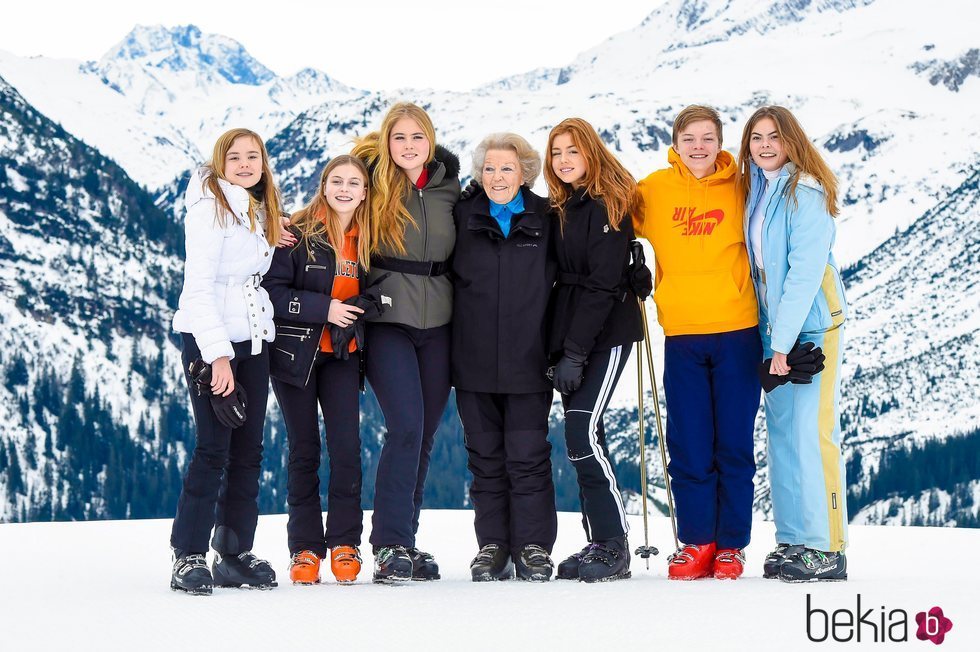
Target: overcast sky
(372, 44)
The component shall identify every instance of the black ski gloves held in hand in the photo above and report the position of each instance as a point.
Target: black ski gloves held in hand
(568, 372)
(230, 410)
(805, 362)
(371, 303)
(640, 278)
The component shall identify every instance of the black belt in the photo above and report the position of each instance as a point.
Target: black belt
(571, 278)
(416, 267)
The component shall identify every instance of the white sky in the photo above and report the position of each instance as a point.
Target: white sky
(371, 44)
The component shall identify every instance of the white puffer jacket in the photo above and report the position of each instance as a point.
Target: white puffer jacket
(222, 300)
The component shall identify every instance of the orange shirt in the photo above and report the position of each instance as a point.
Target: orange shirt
(345, 283)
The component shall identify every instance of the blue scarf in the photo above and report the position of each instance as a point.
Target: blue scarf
(503, 212)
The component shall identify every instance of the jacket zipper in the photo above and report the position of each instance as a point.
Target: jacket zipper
(291, 355)
(316, 352)
(765, 216)
(425, 248)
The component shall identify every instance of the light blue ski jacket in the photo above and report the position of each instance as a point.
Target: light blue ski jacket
(804, 293)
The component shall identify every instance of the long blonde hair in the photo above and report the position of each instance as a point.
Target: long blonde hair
(605, 177)
(390, 217)
(798, 149)
(319, 224)
(263, 193)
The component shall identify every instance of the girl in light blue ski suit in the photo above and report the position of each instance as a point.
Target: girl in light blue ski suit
(791, 202)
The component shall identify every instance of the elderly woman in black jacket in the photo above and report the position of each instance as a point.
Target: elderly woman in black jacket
(503, 273)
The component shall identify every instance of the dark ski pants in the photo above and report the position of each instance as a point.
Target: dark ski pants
(221, 486)
(712, 392)
(603, 513)
(508, 453)
(333, 384)
(408, 369)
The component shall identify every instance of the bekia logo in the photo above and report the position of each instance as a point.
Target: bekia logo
(874, 624)
(933, 625)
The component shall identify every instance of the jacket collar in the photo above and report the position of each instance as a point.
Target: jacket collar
(530, 222)
(197, 190)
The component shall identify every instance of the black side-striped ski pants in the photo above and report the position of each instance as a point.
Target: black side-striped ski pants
(603, 513)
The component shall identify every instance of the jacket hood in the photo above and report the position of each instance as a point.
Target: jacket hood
(725, 167)
(197, 190)
(449, 161)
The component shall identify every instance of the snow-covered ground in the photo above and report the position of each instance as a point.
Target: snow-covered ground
(104, 586)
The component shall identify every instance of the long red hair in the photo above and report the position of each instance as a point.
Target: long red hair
(605, 178)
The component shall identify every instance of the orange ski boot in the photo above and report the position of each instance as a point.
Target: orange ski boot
(304, 568)
(729, 563)
(691, 562)
(345, 563)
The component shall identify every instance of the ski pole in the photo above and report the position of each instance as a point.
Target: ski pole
(660, 426)
(646, 550)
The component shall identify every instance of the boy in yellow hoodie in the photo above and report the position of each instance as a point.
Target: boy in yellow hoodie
(707, 307)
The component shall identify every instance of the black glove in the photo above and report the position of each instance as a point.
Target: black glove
(640, 279)
(230, 409)
(472, 188)
(569, 371)
(340, 337)
(372, 304)
(805, 362)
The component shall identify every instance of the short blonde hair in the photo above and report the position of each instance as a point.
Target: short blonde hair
(696, 113)
(527, 156)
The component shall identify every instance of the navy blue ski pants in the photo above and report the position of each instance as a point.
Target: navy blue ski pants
(221, 486)
(333, 384)
(408, 369)
(712, 392)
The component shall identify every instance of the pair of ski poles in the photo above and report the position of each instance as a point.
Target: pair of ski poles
(646, 550)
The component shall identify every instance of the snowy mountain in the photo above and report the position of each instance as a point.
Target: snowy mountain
(157, 100)
(889, 91)
(122, 569)
(87, 280)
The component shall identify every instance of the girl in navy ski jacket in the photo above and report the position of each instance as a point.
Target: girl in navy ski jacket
(595, 320)
(318, 291)
(224, 317)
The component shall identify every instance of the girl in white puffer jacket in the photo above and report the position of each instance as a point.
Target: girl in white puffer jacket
(225, 318)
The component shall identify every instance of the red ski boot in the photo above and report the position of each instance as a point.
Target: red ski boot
(729, 563)
(691, 562)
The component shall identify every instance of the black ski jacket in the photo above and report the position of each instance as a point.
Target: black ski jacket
(500, 299)
(593, 308)
(299, 287)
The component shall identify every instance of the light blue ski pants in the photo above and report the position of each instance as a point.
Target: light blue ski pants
(806, 467)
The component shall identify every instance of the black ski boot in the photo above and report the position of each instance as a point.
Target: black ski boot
(568, 569)
(243, 569)
(814, 566)
(775, 559)
(191, 574)
(534, 564)
(424, 566)
(392, 564)
(492, 563)
(606, 561)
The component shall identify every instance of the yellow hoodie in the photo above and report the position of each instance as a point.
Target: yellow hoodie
(702, 280)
